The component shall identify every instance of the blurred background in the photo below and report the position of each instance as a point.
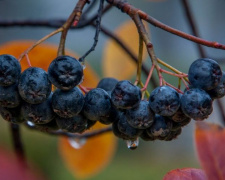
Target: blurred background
(151, 160)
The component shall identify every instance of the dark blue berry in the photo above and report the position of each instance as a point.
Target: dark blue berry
(164, 101)
(76, 124)
(173, 134)
(179, 116)
(34, 86)
(107, 84)
(38, 113)
(196, 104)
(51, 126)
(161, 127)
(219, 90)
(140, 117)
(69, 103)
(10, 70)
(125, 95)
(126, 129)
(12, 115)
(117, 132)
(147, 136)
(204, 74)
(111, 117)
(97, 104)
(65, 72)
(9, 96)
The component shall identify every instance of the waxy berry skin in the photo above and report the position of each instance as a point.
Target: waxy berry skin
(76, 124)
(161, 127)
(196, 104)
(9, 96)
(125, 95)
(12, 115)
(204, 74)
(140, 117)
(219, 90)
(107, 83)
(69, 103)
(164, 101)
(34, 85)
(38, 113)
(97, 104)
(10, 70)
(126, 129)
(65, 72)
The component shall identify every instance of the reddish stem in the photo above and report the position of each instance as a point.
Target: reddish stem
(84, 89)
(28, 60)
(148, 78)
(178, 90)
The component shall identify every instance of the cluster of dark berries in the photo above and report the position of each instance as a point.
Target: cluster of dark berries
(28, 97)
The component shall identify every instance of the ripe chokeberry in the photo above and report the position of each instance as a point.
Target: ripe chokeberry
(9, 96)
(76, 124)
(196, 104)
(69, 103)
(140, 117)
(65, 72)
(204, 73)
(34, 85)
(12, 115)
(129, 132)
(161, 127)
(97, 104)
(107, 84)
(219, 90)
(164, 101)
(125, 95)
(10, 70)
(41, 113)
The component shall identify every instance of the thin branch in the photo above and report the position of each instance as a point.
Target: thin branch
(17, 142)
(98, 24)
(127, 8)
(192, 25)
(85, 135)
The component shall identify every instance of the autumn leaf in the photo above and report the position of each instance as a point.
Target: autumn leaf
(98, 151)
(185, 174)
(209, 139)
(11, 168)
(92, 157)
(116, 62)
(42, 55)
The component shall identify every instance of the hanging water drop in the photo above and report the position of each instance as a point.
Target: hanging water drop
(132, 144)
(77, 143)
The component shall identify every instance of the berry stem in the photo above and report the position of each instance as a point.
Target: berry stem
(140, 58)
(172, 68)
(28, 60)
(85, 90)
(39, 42)
(148, 78)
(74, 17)
(178, 90)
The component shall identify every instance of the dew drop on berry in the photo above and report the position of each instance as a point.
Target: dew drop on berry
(132, 144)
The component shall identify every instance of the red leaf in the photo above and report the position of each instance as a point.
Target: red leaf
(210, 145)
(185, 174)
(11, 168)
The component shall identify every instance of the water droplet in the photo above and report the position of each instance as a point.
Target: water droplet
(132, 144)
(31, 124)
(77, 143)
